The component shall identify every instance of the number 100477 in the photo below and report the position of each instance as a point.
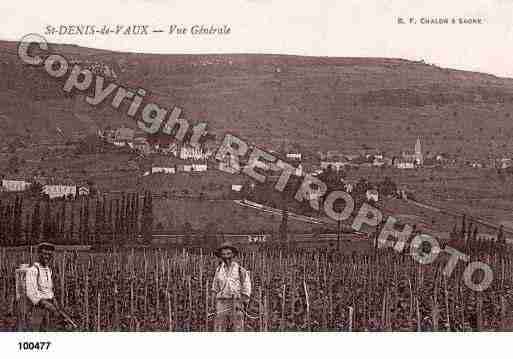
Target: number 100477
(33, 345)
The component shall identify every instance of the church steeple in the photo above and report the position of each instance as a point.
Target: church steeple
(418, 152)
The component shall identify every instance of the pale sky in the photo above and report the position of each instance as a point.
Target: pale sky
(356, 28)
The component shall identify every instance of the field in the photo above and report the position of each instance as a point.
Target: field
(168, 290)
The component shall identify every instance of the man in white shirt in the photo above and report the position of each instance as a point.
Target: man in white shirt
(231, 288)
(39, 289)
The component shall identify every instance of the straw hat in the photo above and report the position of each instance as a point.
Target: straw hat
(45, 246)
(226, 245)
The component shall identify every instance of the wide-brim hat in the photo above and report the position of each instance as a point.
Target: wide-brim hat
(45, 246)
(226, 245)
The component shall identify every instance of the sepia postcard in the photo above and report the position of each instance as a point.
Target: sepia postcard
(173, 171)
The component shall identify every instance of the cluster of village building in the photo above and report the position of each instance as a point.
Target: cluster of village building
(179, 157)
(189, 159)
(197, 159)
(407, 160)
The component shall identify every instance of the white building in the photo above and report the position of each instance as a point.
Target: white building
(405, 164)
(199, 167)
(187, 153)
(15, 185)
(166, 170)
(294, 156)
(59, 190)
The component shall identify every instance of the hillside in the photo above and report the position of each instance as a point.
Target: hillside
(319, 103)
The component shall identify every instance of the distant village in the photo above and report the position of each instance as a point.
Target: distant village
(172, 158)
(337, 160)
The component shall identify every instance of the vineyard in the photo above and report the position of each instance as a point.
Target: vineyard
(124, 284)
(168, 290)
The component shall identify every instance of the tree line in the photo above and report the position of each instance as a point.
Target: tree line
(117, 221)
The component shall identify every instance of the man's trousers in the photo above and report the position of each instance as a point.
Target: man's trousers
(229, 312)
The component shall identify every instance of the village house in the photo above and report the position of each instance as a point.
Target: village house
(199, 167)
(337, 162)
(174, 165)
(441, 157)
(403, 164)
(59, 190)
(352, 157)
(382, 162)
(335, 165)
(192, 167)
(15, 185)
(379, 160)
(165, 170)
(294, 156)
(236, 187)
(475, 164)
(189, 152)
